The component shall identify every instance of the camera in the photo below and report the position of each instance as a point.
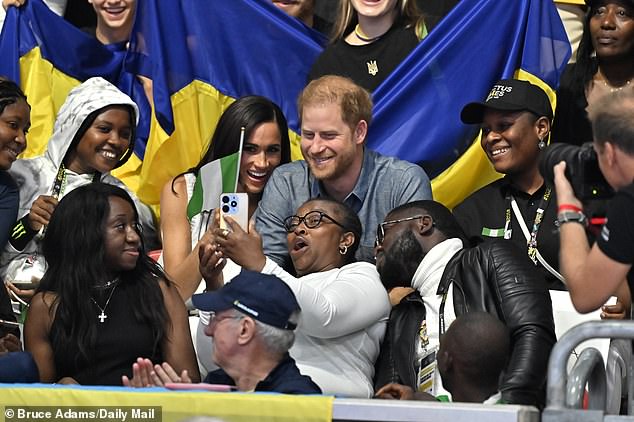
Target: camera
(582, 170)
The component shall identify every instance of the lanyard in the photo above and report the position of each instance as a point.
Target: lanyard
(539, 214)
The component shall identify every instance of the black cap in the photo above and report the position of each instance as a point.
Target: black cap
(261, 296)
(509, 95)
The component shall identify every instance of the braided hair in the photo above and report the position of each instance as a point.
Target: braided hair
(10, 93)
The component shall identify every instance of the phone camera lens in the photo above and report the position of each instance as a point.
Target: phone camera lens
(234, 204)
(225, 208)
(225, 199)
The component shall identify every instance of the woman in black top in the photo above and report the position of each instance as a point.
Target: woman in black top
(102, 301)
(370, 40)
(605, 63)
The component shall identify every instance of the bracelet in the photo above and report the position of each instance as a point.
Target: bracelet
(572, 217)
(569, 207)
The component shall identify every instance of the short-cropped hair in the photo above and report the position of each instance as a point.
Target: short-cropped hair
(612, 117)
(355, 102)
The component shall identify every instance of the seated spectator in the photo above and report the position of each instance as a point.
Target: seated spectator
(102, 301)
(253, 318)
(521, 207)
(15, 121)
(472, 355)
(370, 39)
(93, 134)
(605, 63)
(344, 306)
(335, 115)
(266, 145)
(304, 10)
(420, 245)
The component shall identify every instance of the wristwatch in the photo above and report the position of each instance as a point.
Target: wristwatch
(572, 217)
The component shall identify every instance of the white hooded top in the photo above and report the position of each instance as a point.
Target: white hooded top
(36, 176)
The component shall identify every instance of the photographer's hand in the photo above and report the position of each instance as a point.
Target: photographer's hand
(565, 193)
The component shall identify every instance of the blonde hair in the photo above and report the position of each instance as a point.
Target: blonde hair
(355, 101)
(408, 14)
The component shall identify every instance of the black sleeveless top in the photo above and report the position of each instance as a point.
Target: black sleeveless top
(119, 341)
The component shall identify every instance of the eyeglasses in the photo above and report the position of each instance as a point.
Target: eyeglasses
(311, 220)
(214, 318)
(380, 228)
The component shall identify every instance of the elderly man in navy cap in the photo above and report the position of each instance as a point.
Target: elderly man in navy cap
(252, 322)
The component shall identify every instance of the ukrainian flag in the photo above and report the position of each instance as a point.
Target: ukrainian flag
(202, 55)
(417, 108)
(48, 56)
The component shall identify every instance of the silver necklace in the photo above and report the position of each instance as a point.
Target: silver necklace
(107, 284)
(102, 316)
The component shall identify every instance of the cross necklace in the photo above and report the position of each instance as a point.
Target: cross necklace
(102, 316)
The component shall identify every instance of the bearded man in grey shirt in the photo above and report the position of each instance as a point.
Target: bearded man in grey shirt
(335, 114)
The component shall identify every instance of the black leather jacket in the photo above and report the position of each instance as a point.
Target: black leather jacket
(495, 277)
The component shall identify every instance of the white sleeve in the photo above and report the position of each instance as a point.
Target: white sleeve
(354, 301)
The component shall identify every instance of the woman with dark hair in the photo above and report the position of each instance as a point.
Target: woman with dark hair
(15, 120)
(344, 305)
(102, 301)
(93, 134)
(370, 39)
(605, 63)
(266, 146)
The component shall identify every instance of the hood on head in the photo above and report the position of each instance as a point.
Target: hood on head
(94, 94)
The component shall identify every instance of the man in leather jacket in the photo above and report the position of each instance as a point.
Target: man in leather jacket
(420, 245)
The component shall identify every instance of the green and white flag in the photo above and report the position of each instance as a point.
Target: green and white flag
(219, 176)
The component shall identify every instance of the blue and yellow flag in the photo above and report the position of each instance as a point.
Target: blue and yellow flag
(417, 108)
(48, 56)
(202, 55)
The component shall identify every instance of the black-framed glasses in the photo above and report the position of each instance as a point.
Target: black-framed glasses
(311, 220)
(380, 228)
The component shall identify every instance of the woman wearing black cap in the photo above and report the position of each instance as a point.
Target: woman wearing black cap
(521, 207)
(605, 63)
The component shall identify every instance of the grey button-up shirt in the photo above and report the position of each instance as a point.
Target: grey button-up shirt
(384, 184)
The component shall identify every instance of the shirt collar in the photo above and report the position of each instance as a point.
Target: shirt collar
(507, 188)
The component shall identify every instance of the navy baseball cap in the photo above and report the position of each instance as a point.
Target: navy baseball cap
(263, 297)
(509, 95)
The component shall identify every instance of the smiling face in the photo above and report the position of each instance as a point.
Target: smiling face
(331, 148)
(510, 140)
(612, 30)
(375, 8)
(317, 249)
(114, 14)
(103, 143)
(15, 122)
(261, 154)
(122, 241)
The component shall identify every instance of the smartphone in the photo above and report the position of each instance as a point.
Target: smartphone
(199, 386)
(236, 206)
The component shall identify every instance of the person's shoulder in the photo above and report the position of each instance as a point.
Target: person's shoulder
(7, 184)
(292, 168)
(481, 195)
(392, 164)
